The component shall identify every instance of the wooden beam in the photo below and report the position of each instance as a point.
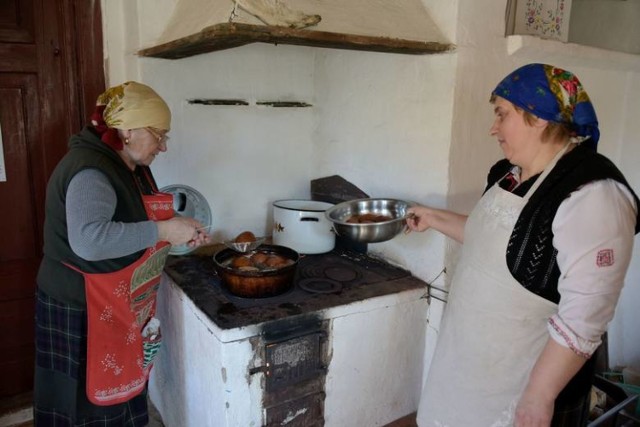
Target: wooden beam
(229, 35)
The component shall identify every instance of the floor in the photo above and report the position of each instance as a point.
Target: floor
(16, 412)
(408, 421)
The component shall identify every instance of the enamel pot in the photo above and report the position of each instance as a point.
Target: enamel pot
(303, 226)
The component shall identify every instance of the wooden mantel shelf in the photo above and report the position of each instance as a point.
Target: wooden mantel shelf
(229, 35)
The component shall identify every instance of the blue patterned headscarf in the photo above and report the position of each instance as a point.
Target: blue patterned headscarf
(555, 95)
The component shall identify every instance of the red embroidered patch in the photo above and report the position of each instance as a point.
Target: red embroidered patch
(605, 258)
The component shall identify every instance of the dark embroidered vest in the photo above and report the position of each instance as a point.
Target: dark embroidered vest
(531, 257)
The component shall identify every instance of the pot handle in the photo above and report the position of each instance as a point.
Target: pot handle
(309, 219)
(179, 202)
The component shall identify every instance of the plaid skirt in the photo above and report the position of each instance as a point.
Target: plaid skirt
(60, 397)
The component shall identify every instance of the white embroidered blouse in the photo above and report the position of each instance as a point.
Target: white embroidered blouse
(593, 232)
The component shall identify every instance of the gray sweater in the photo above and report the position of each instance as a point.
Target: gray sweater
(91, 202)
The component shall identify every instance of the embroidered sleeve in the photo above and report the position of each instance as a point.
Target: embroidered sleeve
(593, 233)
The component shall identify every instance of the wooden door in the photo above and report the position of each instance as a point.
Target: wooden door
(50, 75)
(19, 230)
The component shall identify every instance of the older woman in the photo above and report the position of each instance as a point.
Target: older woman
(107, 234)
(544, 256)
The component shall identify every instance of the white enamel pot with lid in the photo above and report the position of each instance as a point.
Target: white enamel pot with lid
(303, 226)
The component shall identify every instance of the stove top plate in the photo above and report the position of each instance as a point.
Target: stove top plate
(321, 281)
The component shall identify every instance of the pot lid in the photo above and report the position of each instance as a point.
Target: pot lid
(302, 205)
(188, 202)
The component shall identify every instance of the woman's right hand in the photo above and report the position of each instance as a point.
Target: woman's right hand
(418, 218)
(178, 230)
(451, 224)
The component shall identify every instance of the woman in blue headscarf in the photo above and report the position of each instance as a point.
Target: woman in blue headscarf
(544, 256)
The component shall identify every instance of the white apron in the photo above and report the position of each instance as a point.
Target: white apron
(493, 329)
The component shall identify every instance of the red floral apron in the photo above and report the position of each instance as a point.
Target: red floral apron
(119, 305)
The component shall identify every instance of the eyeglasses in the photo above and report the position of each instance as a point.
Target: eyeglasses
(158, 135)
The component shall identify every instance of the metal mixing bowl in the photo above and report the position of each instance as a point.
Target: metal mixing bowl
(369, 232)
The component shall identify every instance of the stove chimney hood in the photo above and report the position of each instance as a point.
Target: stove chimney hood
(393, 26)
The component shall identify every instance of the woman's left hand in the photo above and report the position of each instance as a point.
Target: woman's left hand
(554, 368)
(533, 411)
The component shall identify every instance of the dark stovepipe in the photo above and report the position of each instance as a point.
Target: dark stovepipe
(347, 244)
(335, 189)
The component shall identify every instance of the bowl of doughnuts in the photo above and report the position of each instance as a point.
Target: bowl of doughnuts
(370, 220)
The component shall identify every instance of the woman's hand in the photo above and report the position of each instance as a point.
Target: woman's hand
(533, 411)
(201, 239)
(418, 218)
(554, 368)
(180, 230)
(451, 224)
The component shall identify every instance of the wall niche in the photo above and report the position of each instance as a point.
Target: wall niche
(605, 24)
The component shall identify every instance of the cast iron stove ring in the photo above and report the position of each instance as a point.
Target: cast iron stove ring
(320, 285)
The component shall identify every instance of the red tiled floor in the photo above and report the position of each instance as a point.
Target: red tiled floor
(408, 421)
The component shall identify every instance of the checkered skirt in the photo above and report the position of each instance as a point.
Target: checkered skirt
(60, 398)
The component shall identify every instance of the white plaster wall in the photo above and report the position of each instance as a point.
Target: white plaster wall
(241, 158)
(384, 125)
(624, 334)
(606, 24)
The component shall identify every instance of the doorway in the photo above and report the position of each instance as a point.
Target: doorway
(51, 73)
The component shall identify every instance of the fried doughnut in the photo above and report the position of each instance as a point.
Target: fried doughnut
(245, 237)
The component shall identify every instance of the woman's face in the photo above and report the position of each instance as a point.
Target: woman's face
(144, 145)
(518, 139)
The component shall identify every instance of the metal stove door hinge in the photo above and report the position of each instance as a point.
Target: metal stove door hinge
(265, 369)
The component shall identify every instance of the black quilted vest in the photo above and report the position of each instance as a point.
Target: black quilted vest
(531, 257)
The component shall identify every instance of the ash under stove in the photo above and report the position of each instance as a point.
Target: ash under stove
(322, 281)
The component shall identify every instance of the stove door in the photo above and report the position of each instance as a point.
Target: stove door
(296, 356)
(307, 411)
(294, 360)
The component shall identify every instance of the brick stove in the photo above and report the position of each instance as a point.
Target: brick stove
(315, 355)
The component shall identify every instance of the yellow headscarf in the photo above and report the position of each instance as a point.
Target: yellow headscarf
(133, 105)
(130, 105)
